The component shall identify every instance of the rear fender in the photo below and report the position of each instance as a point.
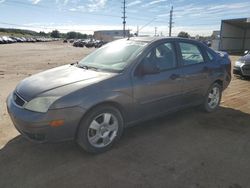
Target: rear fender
(226, 63)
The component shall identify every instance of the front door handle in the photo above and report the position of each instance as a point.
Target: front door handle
(174, 76)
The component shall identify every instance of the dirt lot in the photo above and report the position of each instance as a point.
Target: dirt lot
(189, 149)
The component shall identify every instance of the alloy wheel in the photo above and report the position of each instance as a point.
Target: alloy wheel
(214, 97)
(102, 130)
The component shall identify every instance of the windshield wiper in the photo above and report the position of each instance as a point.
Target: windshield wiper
(87, 67)
(76, 63)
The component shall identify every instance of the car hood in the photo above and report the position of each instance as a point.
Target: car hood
(245, 59)
(58, 77)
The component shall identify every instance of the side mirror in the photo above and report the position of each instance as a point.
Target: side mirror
(246, 52)
(148, 67)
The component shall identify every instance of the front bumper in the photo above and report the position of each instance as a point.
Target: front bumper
(35, 126)
(243, 70)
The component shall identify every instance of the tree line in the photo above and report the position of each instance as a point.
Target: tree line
(53, 34)
(69, 35)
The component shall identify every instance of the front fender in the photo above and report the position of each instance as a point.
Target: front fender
(123, 100)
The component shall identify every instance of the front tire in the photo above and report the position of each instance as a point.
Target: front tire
(100, 129)
(213, 98)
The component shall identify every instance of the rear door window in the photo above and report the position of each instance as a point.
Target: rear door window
(191, 54)
(163, 56)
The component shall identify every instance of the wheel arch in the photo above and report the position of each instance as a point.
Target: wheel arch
(219, 81)
(205, 107)
(108, 103)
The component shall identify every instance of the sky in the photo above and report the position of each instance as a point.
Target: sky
(197, 17)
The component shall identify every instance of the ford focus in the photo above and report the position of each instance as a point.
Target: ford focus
(122, 83)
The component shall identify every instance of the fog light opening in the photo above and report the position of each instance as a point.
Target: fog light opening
(56, 123)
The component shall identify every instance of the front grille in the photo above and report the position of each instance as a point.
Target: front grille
(246, 69)
(18, 100)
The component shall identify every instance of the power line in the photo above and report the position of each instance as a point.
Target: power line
(12, 3)
(124, 17)
(146, 24)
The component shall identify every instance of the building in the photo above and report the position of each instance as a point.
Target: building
(235, 35)
(215, 40)
(110, 35)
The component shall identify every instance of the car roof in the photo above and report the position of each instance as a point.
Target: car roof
(154, 39)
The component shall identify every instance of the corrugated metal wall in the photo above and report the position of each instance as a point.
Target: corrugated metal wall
(234, 38)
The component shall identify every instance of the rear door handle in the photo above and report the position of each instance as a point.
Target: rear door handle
(174, 76)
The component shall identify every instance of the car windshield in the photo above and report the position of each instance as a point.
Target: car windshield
(114, 56)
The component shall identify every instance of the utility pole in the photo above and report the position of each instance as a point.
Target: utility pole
(155, 31)
(171, 21)
(137, 31)
(124, 18)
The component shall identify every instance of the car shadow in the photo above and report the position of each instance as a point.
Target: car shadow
(247, 78)
(188, 147)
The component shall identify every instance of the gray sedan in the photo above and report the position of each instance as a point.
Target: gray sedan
(242, 66)
(118, 85)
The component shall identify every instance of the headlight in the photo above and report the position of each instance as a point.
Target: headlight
(238, 63)
(40, 104)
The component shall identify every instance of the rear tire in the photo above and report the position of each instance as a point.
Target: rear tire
(212, 98)
(100, 129)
